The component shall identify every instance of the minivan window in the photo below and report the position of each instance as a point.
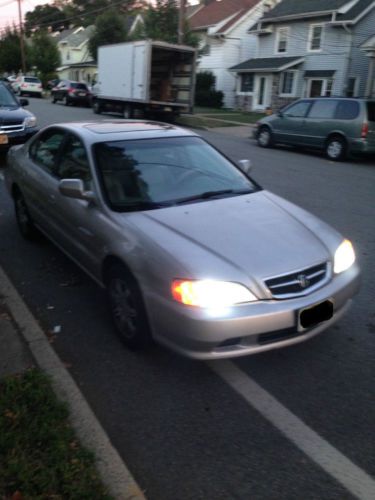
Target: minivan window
(297, 110)
(323, 108)
(371, 111)
(347, 110)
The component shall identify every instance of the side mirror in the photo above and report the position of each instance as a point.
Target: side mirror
(73, 188)
(24, 102)
(245, 166)
(280, 114)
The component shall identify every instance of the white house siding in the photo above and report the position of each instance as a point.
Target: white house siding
(238, 46)
(359, 62)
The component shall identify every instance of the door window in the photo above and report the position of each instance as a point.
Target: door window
(74, 163)
(45, 150)
(298, 110)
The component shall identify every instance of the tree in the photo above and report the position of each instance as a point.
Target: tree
(109, 28)
(161, 23)
(10, 51)
(44, 16)
(44, 56)
(86, 11)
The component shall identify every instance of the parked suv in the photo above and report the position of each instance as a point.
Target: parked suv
(30, 85)
(338, 126)
(71, 93)
(16, 124)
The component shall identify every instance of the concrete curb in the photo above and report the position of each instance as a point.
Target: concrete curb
(114, 473)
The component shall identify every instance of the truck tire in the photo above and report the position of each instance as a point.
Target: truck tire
(96, 107)
(128, 111)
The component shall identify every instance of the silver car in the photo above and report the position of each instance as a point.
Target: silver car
(193, 253)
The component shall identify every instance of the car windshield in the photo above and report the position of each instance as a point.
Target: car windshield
(31, 79)
(81, 86)
(152, 173)
(6, 98)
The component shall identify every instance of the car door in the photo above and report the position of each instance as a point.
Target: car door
(81, 225)
(320, 122)
(39, 181)
(288, 127)
(61, 90)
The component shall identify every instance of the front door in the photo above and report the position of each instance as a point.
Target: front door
(262, 98)
(316, 88)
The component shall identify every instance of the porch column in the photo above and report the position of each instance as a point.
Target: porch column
(371, 76)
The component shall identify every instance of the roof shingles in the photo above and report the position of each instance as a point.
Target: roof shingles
(217, 11)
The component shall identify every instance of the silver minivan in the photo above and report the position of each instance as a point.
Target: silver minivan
(338, 126)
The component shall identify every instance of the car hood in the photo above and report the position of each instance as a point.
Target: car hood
(252, 233)
(12, 115)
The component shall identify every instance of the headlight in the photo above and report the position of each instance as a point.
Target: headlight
(30, 121)
(344, 257)
(210, 293)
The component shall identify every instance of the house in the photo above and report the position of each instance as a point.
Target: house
(76, 61)
(309, 48)
(222, 26)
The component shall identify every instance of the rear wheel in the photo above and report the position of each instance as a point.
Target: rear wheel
(265, 137)
(66, 100)
(24, 220)
(127, 308)
(336, 148)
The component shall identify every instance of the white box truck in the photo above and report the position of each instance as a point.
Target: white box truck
(145, 78)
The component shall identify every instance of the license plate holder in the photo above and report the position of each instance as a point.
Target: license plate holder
(316, 314)
(4, 139)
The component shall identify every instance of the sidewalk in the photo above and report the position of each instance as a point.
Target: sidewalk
(23, 345)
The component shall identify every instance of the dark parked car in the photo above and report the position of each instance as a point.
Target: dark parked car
(16, 124)
(70, 92)
(53, 83)
(338, 126)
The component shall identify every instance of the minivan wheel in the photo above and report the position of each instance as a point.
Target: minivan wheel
(336, 148)
(265, 137)
(24, 220)
(127, 309)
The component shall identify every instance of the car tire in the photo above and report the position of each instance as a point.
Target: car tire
(336, 148)
(127, 309)
(54, 100)
(264, 138)
(96, 107)
(127, 112)
(66, 101)
(24, 221)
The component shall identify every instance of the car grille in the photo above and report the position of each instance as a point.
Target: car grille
(299, 282)
(12, 126)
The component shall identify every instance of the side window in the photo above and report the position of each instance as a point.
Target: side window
(297, 110)
(74, 163)
(323, 108)
(347, 110)
(45, 149)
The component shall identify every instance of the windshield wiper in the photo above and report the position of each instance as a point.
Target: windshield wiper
(212, 194)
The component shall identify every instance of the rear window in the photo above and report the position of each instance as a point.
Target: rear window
(79, 86)
(371, 111)
(323, 109)
(347, 110)
(30, 79)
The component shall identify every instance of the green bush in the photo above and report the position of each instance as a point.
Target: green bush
(209, 98)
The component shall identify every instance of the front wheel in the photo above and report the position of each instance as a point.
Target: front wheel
(24, 220)
(336, 148)
(265, 137)
(127, 309)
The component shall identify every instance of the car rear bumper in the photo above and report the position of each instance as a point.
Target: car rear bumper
(249, 328)
(362, 146)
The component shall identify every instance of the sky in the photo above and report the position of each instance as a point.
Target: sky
(9, 10)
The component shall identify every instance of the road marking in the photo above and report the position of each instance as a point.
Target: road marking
(354, 479)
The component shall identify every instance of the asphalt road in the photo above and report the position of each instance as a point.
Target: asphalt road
(183, 431)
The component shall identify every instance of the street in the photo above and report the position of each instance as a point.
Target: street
(289, 424)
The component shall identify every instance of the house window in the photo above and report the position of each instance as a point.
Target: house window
(315, 37)
(320, 87)
(287, 82)
(247, 82)
(282, 40)
(328, 89)
(351, 89)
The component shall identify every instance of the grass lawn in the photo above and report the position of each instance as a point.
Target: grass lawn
(201, 122)
(213, 117)
(40, 456)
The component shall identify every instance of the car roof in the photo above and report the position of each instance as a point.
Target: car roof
(117, 130)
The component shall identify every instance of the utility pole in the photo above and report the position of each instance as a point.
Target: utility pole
(181, 21)
(22, 46)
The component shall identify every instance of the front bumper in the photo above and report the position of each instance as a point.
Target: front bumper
(18, 137)
(249, 328)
